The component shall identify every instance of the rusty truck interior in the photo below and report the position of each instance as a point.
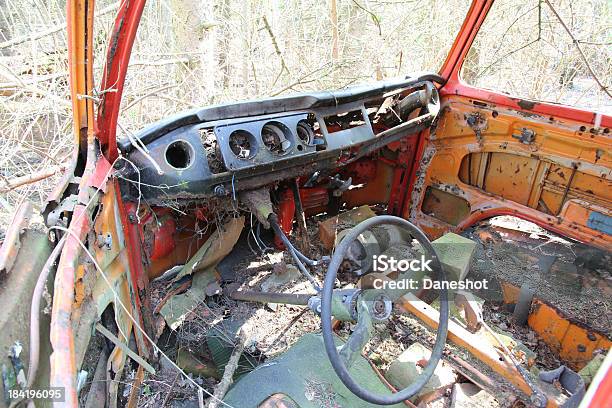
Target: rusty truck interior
(223, 255)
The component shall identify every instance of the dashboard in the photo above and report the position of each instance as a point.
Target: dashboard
(223, 149)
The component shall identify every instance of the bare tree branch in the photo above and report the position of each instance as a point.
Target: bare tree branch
(51, 30)
(576, 43)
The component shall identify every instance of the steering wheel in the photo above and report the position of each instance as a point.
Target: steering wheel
(370, 306)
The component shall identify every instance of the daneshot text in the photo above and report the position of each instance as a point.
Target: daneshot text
(427, 283)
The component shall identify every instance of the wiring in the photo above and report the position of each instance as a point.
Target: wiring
(35, 312)
(136, 324)
(297, 256)
(278, 230)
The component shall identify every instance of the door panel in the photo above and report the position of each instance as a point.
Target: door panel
(553, 171)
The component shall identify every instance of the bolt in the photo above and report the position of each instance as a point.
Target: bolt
(132, 218)
(219, 190)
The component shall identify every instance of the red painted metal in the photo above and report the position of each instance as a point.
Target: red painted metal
(286, 213)
(163, 237)
(458, 87)
(100, 174)
(603, 393)
(314, 197)
(400, 188)
(115, 69)
(361, 171)
(473, 20)
(414, 172)
(311, 197)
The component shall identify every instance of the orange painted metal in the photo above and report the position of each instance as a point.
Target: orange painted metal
(574, 342)
(78, 54)
(80, 57)
(568, 218)
(63, 364)
(515, 179)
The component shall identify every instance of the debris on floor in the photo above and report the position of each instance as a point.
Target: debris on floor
(409, 365)
(468, 395)
(519, 252)
(203, 322)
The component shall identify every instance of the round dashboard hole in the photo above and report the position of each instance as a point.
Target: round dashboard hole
(277, 138)
(179, 154)
(242, 144)
(305, 132)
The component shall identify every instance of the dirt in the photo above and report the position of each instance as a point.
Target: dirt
(273, 331)
(572, 277)
(275, 328)
(90, 362)
(497, 317)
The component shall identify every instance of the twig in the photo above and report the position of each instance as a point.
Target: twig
(538, 38)
(230, 368)
(151, 93)
(167, 399)
(9, 88)
(576, 43)
(162, 62)
(12, 184)
(335, 35)
(51, 30)
(375, 18)
(34, 90)
(276, 49)
(125, 348)
(278, 338)
(301, 80)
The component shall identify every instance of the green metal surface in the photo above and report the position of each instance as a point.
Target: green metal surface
(16, 291)
(305, 374)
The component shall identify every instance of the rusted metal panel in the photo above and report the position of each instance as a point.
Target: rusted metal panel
(490, 181)
(15, 302)
(574, 342)
(63, 364)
